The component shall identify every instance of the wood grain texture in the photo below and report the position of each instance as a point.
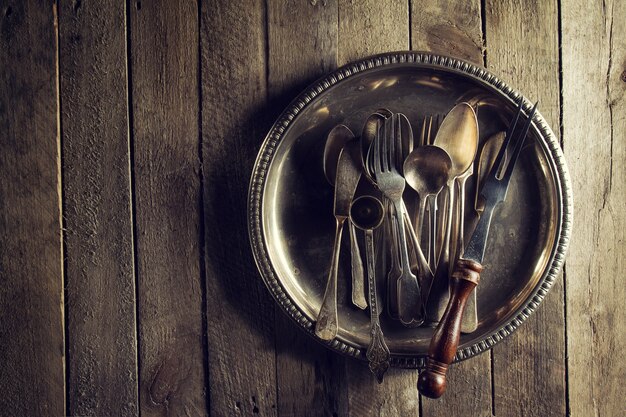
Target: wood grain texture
(302, 47)
(454, 28)
(529, 367)
(369, 27)
(448, 27)
(100, 279)
(594, 140)
(240, 311)
(165, 106)
(302, 38)
(206, 80)
(31, 267)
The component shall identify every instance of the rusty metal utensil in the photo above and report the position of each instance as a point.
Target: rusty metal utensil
(466, 275)
(367, 213)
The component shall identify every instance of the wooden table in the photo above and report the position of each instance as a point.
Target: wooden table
(128, 131)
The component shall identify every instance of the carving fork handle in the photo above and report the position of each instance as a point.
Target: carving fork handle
(443, 345)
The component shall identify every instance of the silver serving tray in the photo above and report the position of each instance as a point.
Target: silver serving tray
(290, 204)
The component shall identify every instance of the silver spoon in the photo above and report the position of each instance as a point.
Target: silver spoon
(338, 138)
(427, 170)
(367, 213)
(458, 136)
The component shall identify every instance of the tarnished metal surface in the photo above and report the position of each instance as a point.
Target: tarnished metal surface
(291, 204)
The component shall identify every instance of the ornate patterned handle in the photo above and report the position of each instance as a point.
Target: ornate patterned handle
(377, 352)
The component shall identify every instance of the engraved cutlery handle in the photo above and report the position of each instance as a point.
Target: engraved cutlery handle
(377, 352)
(443, 346)
(326, 325)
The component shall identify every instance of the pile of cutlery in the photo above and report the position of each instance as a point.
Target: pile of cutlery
(404, 197)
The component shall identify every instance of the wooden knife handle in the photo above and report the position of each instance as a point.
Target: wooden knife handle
(443, 345)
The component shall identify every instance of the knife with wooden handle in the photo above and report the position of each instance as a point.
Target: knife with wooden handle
(466, 275)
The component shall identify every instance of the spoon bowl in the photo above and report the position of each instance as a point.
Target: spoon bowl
(427, 169)
(458, 136)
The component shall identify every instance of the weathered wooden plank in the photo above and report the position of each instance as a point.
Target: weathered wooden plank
(529, 367)
(448, 27)
(100, 279)
(454, 28)
(31, 267)
(308, 377)
(297, 54)
(240, 311)
(594, 139)
(165, 125)
(371, 27)
(368, 28)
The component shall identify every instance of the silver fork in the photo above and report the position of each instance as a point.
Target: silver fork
(382, 163)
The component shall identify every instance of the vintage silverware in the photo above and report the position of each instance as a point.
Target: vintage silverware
(291, 236)
(370, 130)
(470, 319)
(382, 159)
(429, 126)
(457, 135)
(466, 275)
(426, 170)
(339, 137)
(347, 179)
(393, 267)
(367, 213)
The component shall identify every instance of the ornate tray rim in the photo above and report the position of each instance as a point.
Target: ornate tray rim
(445, 63)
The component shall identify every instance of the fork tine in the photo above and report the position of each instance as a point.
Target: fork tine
(384, 150)
(429, 138)
(391, 150)
(397, 157)
(435, 122)
(423, 140)
(518, 145)
(399, 154)
(368, 159)
(499, 161)
(376, 157)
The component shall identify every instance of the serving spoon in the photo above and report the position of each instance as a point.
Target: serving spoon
(458, 136)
